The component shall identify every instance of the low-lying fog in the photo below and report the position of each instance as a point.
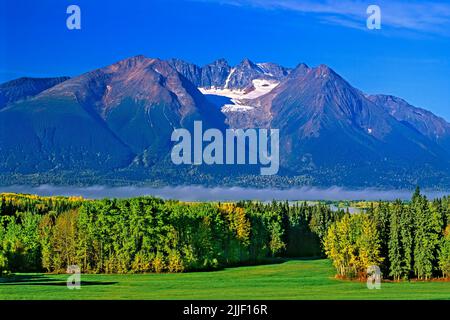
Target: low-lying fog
(198, 193)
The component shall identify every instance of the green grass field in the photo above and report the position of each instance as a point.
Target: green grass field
(294, 279)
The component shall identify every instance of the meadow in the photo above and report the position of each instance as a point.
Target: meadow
(291, 279)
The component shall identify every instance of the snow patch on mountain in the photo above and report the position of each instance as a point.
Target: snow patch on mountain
(265, 69)
(236, 108)
(259, 88)
(229, 77)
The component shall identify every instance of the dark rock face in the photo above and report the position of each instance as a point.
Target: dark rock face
(215, 74)
(211, 75)
(221, 75)
(274, 70)
(242, 75)
(192, 72)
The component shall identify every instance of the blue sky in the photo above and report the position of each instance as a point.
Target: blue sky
(409, 57)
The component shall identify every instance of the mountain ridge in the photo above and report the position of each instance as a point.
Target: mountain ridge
(116, 121)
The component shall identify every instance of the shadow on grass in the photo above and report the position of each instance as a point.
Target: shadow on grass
(39, 280)
(60, 283)
(307, 258)
(260, 262)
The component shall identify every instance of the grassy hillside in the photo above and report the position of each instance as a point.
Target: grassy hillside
(294, 279)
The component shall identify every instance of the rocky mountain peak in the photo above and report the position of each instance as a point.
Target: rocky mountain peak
(247, 63)
(220, 62)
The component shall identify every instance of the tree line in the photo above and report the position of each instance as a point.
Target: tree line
(152, 235)
(48, 234)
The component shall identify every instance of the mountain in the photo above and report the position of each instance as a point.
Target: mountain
(425, 122)
(23, 88)
(113, 125)
(328, 124)
(105, 119)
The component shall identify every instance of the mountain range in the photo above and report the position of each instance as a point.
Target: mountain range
(113, 126)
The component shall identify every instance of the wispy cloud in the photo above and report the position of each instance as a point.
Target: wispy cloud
(429, 17)
(198, 193)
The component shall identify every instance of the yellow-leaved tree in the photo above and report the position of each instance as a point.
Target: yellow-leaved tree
(353, 245)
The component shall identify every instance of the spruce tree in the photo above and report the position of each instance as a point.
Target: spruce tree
(382, 216)
(428, 226)
(395, 250)
(407, 240)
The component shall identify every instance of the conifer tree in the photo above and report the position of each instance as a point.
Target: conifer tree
(382, 218)
(406, 226)
(428, 226)
(395, 245)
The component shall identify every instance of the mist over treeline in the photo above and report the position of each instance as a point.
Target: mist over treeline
(199, 193)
